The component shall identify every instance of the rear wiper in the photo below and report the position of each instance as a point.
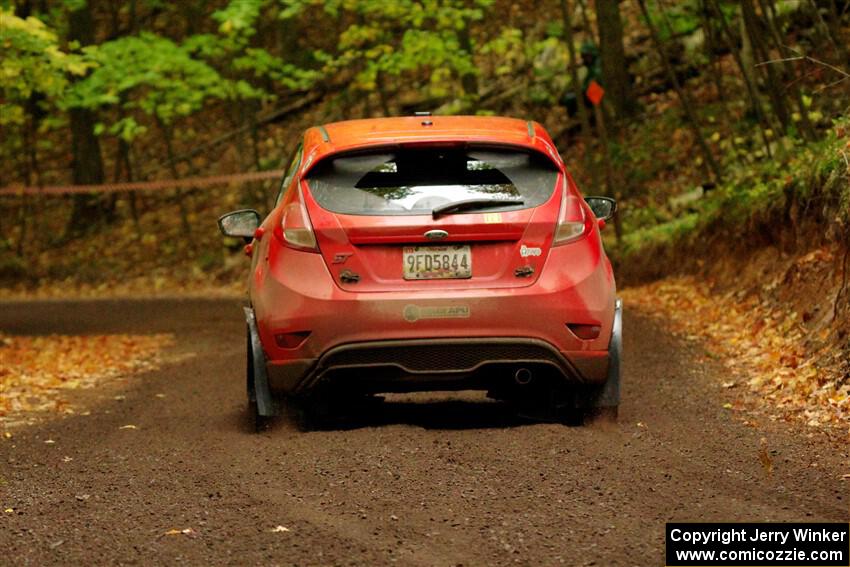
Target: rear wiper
(474, 204)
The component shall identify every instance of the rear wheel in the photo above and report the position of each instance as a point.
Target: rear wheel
(603, 404)
(554, 402)
(602, 415)
(545, 398)
(332, 410)
(258, 422)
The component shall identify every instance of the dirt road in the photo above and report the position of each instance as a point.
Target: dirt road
(442, 482)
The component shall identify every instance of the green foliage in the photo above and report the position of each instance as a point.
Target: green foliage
(815, 175)
(239, 17)
(659, 235)
(421, 41)
(32, 63)
(682, 18)
(507, 49)
(262, 64)
(238, 23)
(513, 53)
(151, 74)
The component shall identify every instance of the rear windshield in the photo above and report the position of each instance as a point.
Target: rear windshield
(415, 181)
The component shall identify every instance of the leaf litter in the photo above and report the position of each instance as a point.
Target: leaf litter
(37, 372)
(766, 348)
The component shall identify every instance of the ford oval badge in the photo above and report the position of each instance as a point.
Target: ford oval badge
(436, 234)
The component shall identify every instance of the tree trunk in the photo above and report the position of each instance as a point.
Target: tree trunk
(588, 27)
(608, 167)
(790, 77)
(684, 99)
(711, 51)
(87, 160)
(168, 134)
(583, 115)
(837, 47)
(775, 90)
(755, 101)
(615, 71)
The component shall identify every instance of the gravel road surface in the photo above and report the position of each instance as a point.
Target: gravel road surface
(433, 480)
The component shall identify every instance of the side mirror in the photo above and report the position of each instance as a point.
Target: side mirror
(241, 224)
(603, 207)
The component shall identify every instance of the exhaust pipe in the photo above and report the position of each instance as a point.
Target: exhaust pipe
(522, 376)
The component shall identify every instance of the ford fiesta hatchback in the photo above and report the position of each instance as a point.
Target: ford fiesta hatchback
(430, 253)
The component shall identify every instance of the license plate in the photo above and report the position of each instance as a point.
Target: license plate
(437, 262)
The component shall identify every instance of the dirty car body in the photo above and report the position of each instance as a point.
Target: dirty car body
(430, 253)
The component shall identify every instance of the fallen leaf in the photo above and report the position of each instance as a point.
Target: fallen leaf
(49, 441)
(760, 340)
(9, 510)
(278, 529)
(34, 371)
(184, 531)
(727, 405)
(130, 426)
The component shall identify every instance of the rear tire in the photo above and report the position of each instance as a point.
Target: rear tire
(608, 414)
(548, 403)
(326, 410)
(604, 403)
(259, 423)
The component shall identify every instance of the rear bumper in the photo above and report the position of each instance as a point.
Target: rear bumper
(435, 364)
(465, 332)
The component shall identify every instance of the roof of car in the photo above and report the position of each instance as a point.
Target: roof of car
(321, 141)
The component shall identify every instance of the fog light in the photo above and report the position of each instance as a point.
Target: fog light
(584, 332)
(291, 340)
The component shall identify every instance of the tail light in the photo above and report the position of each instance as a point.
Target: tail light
(296, 229)
(572, 223)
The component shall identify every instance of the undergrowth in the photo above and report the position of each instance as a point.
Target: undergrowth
(763, 200)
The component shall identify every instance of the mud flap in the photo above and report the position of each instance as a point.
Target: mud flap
(609, 394)
(267, 406)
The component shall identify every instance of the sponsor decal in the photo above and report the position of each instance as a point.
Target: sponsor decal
(526, 251)
(492, 218)
(413, 313)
